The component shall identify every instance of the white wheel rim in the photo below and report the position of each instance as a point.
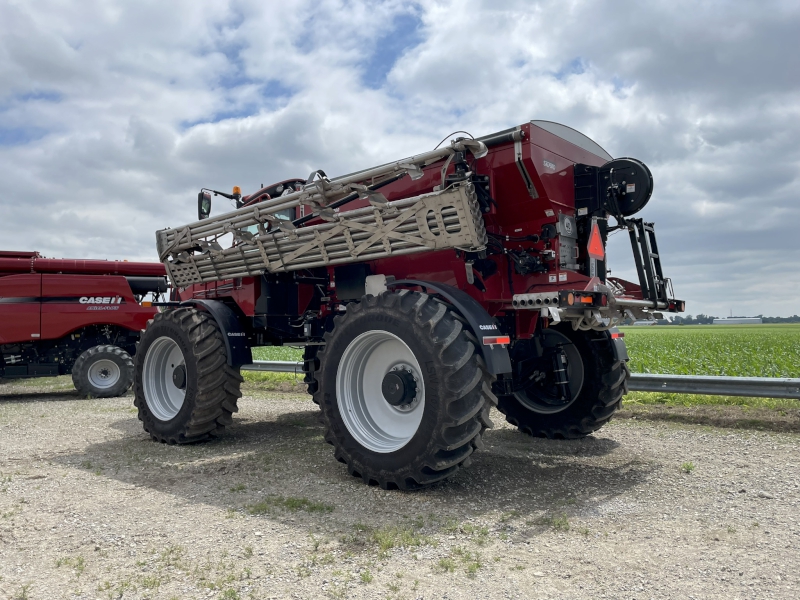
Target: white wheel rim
(163, 397)
(104, 374)
(370, 419)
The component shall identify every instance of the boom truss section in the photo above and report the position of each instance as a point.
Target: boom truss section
(260, 242)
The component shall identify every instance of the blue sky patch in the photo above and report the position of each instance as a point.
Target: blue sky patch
(576, 66)
(273, 92)
(235, 75)
(403, 35)
(275, 89)
(41, 95)
(305, 38)
(19, 136)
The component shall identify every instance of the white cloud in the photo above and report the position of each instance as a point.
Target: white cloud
(113, 114)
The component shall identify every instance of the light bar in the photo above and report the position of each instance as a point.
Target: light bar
(502, 340)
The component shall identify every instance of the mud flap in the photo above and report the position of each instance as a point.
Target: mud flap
(618, 345)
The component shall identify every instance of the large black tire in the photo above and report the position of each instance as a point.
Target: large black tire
(310, 365)
(451, 398)
(604, 382)
(204, 406)
(103, 372)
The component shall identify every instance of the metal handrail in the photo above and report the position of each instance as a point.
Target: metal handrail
(753, 387)
(275, 366)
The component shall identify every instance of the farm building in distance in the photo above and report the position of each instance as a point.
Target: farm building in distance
(738, 321)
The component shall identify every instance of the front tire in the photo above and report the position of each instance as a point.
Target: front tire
(597, 382)
(184, 388)
(103, 372)
(403, 392)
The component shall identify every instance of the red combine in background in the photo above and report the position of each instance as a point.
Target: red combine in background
(84, 317)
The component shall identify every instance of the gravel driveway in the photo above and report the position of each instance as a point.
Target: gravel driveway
(91, 508)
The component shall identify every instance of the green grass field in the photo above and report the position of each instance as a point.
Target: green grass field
(277, 353)
(732, 350)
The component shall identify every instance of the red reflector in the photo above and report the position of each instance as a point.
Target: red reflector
(617, 334)
(498, 339)
(595, 248)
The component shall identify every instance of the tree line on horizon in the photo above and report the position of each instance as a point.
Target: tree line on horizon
(702, 319)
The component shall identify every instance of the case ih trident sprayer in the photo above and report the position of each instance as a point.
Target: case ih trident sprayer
(425, 291)
(60, 316)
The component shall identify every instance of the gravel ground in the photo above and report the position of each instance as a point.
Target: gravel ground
(91, 508)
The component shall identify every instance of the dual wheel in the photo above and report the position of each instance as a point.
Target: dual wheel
(403, 391)
(405, 395)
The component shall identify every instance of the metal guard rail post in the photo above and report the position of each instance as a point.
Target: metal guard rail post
(754, 387)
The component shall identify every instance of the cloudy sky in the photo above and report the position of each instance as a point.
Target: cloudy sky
(113, 114)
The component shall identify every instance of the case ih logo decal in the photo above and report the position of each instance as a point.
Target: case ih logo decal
(107, 301)
(100, 300)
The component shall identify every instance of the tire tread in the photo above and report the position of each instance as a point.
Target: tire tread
(218, 384)
(465, 376)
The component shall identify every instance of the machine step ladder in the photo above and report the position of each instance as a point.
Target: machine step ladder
(648, 263)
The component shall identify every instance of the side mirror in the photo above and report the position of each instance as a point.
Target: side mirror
(203, 205)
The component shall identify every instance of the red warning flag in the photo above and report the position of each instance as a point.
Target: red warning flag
(596, 249)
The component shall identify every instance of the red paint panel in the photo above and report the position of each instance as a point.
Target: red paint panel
(558, 146)
(70, 302)
(79, 266)
(19, 308)
(242, 291)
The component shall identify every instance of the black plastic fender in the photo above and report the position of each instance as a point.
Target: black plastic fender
(496, 357)
(236, 344)
(618, 345)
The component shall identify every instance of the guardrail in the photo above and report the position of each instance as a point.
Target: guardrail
(753, 387)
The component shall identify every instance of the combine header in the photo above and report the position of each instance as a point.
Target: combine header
(424, 291)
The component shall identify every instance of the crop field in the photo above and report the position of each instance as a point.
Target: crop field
(277, 353)
(732, 350)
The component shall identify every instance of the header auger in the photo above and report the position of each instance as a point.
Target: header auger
(424, 291)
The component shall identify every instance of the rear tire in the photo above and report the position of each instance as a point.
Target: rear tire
(411, 343)
(184, 388)
(103, 372)
(598, 394)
